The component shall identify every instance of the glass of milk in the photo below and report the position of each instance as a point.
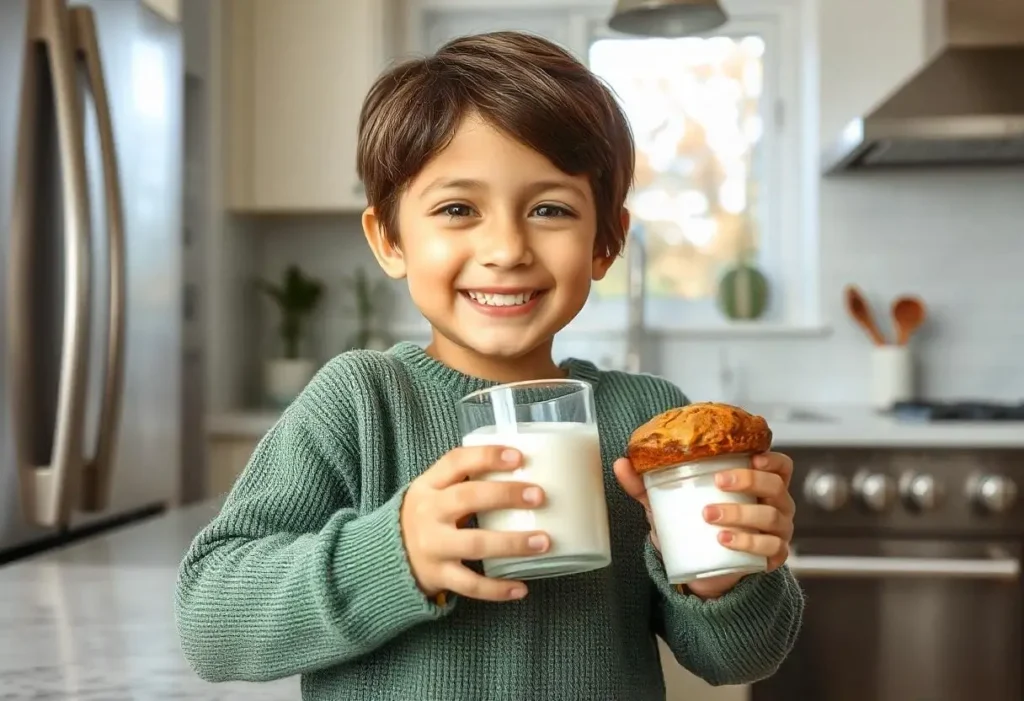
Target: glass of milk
(689, 544)
(551, 422)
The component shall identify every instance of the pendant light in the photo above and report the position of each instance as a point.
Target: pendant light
(666, 18)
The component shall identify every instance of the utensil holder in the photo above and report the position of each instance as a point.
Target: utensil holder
(892, 376)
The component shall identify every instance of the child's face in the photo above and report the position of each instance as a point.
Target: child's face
(496, 242)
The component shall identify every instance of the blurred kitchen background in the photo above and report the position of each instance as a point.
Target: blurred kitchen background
(805, 170)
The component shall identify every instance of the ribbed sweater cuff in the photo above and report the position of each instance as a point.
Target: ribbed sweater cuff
(372, 573)
(752, 615)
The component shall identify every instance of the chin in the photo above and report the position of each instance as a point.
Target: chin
(500, 345)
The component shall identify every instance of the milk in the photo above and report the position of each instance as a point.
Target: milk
(689, 544)
(564, 459)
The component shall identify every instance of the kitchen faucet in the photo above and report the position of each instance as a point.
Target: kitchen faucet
(635, 294)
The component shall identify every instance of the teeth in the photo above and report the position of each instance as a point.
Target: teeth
(497, 300)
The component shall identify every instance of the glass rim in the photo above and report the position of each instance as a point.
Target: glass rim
(526, 384)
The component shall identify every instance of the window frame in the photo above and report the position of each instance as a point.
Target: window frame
(790, 243)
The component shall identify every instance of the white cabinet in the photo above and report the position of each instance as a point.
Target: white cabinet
(295, 74)
(681, 685)
(231, 439)
(226, 458)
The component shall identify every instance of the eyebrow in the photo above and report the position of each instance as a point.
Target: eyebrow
(444, 183)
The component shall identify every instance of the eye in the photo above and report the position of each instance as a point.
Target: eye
(456, 210)
(550, 211)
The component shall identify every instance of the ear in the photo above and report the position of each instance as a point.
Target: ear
(388, 255)
(601, 263)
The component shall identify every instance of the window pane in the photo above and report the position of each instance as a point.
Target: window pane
(695, 107)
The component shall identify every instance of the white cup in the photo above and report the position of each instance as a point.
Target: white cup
(689, 544)
(551, 422)
(892, 376)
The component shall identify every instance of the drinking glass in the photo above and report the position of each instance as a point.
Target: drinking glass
(551, 422)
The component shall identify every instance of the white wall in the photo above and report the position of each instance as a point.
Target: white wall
(913, 232)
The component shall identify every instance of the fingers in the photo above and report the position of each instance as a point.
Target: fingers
(758, 517)
(768, 486)
(464, 581)
(470, 497)
(631, 482)
(480, 544)
(764, 528)
(463, 463)
(780, 464)
(772, 547)
(778, 559)
(762, 544)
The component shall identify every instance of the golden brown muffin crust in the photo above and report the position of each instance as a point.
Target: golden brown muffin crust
(694, 432)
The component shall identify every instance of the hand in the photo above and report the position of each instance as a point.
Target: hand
(770, 519)
(442, 499)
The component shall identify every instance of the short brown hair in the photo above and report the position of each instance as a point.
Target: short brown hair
(528, 87)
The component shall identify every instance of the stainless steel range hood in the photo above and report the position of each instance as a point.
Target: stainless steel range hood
(964, 107)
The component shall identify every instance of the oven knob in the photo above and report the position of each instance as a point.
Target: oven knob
(874, 490)
(826, 490)
(995, 494)
(920, 492)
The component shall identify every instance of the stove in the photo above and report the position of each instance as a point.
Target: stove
(911, 561)
(958, 411)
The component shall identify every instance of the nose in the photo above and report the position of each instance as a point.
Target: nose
(503, 244)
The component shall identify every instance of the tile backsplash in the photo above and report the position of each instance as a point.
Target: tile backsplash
(954, 238)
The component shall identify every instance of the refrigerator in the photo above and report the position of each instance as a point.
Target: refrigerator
(90, 271)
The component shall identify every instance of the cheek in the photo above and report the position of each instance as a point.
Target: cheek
(433, 261)
(571, 262)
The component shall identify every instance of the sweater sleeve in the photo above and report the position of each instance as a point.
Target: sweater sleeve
(291, 577)
(739, 638)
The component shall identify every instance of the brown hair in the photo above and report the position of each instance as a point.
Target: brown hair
(528, 87)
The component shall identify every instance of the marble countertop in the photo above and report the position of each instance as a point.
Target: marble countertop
(827, 426)
(95, 621)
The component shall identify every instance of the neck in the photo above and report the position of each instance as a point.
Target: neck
(535, 365)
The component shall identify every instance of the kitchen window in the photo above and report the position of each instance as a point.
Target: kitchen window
(725, 170)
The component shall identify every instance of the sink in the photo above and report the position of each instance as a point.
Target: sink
(797, 415)
(789, 414)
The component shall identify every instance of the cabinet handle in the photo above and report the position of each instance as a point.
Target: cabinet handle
(97, 472)
(48, 491)
(837, 567)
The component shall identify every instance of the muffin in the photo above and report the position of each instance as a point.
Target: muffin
(696, 432)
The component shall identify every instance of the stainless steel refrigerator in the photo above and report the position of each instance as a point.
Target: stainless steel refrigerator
(90, 230)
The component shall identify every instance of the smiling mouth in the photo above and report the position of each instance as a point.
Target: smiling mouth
(503, 299)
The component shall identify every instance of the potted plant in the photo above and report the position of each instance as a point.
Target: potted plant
(370, 302)
(297, 297)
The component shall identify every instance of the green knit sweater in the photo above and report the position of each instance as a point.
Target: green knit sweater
(304, 571)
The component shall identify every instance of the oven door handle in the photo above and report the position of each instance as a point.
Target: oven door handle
(842, 567)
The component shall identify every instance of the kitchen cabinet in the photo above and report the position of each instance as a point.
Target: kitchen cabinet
(226, 458)
(681, 685)
(294, 77)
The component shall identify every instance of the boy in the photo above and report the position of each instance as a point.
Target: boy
(496, 173)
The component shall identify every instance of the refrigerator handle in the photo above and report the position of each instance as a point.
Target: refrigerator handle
(95, 491)
(49, 484)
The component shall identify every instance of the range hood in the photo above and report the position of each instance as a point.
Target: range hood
(964, 107)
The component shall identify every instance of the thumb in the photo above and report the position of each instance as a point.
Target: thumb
(631, 482)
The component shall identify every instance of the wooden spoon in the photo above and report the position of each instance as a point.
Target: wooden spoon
(861, 313)
(908, 313)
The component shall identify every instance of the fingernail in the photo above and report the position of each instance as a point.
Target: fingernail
(712, 514)
(531, 495)
(510, 457)
(724, 480)
(725, 537)
(537, 542)
(517, 593)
